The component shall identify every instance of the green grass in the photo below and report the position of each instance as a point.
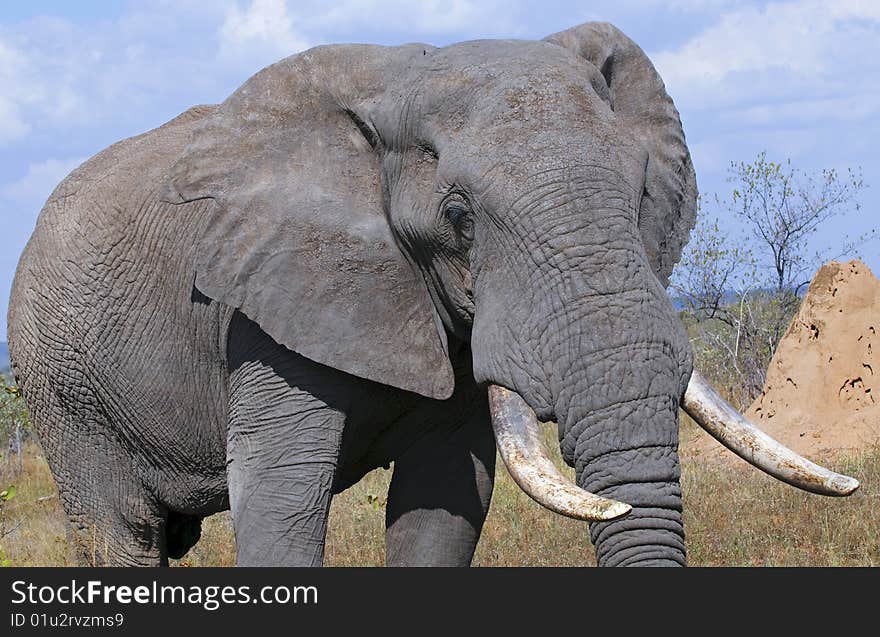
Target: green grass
(734, 516)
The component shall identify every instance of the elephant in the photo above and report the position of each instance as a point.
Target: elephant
(370, 255)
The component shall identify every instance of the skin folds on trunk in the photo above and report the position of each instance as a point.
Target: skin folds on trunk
(627, 450)
(647, 479)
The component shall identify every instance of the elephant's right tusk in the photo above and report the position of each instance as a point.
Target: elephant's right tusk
(519, 441)
(730, 428)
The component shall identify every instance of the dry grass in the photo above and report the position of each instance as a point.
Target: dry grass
(32, 524)
(734, 516)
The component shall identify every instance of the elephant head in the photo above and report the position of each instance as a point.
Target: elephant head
(374, 205)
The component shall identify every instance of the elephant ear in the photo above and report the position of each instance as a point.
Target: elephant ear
(298, 239)
(637, 94)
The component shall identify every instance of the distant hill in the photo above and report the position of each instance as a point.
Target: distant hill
(730, 296)
(680, 304)
(4, 358)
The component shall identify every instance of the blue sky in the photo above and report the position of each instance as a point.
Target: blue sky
(798, 78)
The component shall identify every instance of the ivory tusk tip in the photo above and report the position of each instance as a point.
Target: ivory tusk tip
(842, 485)
(601, 510)
(616, 510)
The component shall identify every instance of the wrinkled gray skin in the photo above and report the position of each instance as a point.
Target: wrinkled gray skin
(257, 303)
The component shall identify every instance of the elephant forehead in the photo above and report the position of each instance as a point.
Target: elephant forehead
(505, 60)
(489, 80)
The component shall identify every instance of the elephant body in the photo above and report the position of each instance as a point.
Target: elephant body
(336, 268)
(130, 376)
(369, 255)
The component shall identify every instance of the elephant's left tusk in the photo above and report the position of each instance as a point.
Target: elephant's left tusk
(730, 428)
(519, 442)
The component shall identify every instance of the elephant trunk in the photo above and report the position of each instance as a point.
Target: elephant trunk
(647, 479)
(651, 533)
(624, 447)
(594, 343)
(648, 533)
(627, 468)
(649, 536)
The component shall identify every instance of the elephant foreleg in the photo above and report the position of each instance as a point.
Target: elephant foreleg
(439, 495)
(282, 451)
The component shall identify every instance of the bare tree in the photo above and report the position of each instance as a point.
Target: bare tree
(783, 207)
(740, 291)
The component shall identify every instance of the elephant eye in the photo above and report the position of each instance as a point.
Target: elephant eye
(456, 214)
(459, 215)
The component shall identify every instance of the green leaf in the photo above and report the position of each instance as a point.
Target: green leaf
(8, 494)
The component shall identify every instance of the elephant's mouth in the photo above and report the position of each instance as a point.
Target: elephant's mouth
(517, 433)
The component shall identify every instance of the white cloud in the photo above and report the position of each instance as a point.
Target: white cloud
(58, 76)
(690, 6)
(431, 17)
(42, 69)
(788, 77)
(262, 29)
(844, 109)
(803, 39)
(39, 181)
(12, 123)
